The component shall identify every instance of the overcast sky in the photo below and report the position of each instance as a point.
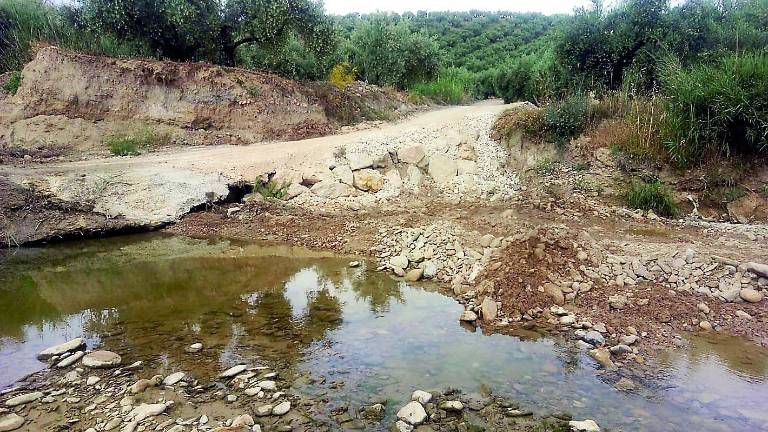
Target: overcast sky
(342, 7)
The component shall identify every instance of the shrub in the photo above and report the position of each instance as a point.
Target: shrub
(545, 167)
(716, 109)
(13, 83)
(272, 189)
(652, 196)
(584, 184)
(134, 143)
(565, 120)
(528, 120)
(452, 86)
(343, 74)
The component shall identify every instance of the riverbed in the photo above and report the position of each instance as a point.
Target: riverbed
(347, 334)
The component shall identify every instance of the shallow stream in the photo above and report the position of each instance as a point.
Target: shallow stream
(365, 334)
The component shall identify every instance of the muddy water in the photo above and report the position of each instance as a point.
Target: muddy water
(348, 335)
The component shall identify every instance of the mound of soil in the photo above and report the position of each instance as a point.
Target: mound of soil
(73, 102)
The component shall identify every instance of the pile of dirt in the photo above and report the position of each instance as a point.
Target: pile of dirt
(73, 102)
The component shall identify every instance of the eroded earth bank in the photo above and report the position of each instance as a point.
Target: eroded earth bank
(434, 278)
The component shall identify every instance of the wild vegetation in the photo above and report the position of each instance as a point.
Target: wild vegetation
(677, 83)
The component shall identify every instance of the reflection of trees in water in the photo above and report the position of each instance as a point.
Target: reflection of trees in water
(379, 292)
(21, 305)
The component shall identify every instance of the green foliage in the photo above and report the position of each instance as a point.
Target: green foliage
(717, 109)
(390, 54)
(452, 86)
(254, 91)
(546, 166)
(343, 74)
(566, 119)
(272, 189)
(652, 196)
(535, 77)
(133, 143)
(13, 83)
(585, 184)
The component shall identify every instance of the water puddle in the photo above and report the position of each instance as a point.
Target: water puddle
(349, 335)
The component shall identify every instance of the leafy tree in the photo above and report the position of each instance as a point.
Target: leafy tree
(386, 53)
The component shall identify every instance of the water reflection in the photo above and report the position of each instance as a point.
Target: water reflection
(150, 297)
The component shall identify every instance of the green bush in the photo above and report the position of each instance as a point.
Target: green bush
(566, 119)
(132, 144)
(452, 86)
(13, 83)
(272, 189)
(717, 109)
(652, 196)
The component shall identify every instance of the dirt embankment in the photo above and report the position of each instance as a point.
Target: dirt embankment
(69, 104)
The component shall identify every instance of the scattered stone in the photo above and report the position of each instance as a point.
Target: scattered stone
(703, 308)
(411, 155)
(145, 411)
(368, 180)
(758, 269)
(421, 397)
(743, 315)
(23, 399)
(399, 261)
(194, 348)
(468, 316)
(625, 384)
(412, 413)
(11, 422)
(489, 309)
(92, 380)
(267, 385)
(584, 426)
(603, 357)
(101, 360)
(70, 360)
(233, 371)
(333, 189)
(173, 378)
(281, 408)
(401, 426)
(375, 412)
(452, 405)
(630, 339)
(354, 264)
(750, 295)
(243, 420)
(60, 349)
(593, 338)
(442, 168)
(705, 325)
(414, 275)
(555, 293)
(264, 410)
(617, 301)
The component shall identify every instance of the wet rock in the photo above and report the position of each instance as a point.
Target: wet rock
(281, 408)
(23, 399)
(750, 295)
(194, 348)
(625, 384)
(453, 405)
(173, 378)
(489, 309)
(11, 422)
(374, 412)
(368, 180)
(101, 360)
(414, 275)
(70, 360)
(233, 371)
(442, 169)
(584, 426)
(411, 155)
(468, 316)
(593, 338)
(555, 293)
(55, 350)
(514, 412)
(412, 413)
(603, 357)
(421, 397)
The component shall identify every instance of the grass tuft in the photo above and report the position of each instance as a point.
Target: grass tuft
(13, 83)
(272, 189)
(132, 144)
(652, 196)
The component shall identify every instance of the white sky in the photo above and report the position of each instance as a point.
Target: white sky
(341, 7)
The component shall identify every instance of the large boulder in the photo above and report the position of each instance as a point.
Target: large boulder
(412, 413)
(11, 422)
(442, 169)
(758, 269)
(369, 180)
(555, 293)
(413, 178)
(411, 155)
(343, 173)
(333, 190)
(55, 350)
(359, 161)
(489, 309)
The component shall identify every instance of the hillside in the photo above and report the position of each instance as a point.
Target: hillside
(72, 104)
